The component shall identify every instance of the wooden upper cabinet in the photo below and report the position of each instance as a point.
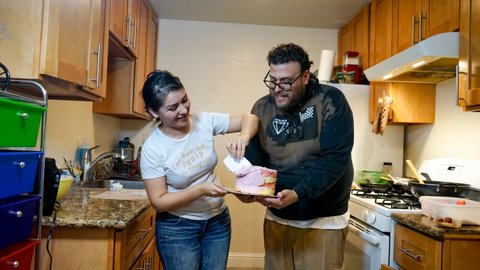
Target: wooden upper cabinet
(126, 76)
(416, 20)
(469, 64)
(61, 43)
(412, 103)
(124, 23)
(354, 37)
(381, 12)
(75, 43)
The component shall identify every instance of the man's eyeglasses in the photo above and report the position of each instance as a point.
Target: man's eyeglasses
(285, 86)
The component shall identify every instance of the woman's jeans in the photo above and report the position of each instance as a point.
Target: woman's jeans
(193, 244)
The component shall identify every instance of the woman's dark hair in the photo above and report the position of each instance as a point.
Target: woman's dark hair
(290, 52)
(158, 85)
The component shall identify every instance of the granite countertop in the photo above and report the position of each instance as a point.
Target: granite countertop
(426, 225)
(79, 209)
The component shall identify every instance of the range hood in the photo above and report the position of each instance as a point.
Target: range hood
(430, 61)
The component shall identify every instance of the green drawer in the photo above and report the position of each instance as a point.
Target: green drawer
(20, 123)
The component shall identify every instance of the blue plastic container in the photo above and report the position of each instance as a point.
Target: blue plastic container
(18, 171)
(16, 216)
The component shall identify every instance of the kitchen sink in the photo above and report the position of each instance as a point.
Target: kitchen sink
(128, 184)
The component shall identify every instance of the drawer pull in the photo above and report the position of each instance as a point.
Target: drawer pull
(410, 254)
(18, 213)
(23, 115)
(15, 264)
(21, 164)
(144, 233)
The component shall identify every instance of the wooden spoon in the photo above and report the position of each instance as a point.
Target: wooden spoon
(414, 170)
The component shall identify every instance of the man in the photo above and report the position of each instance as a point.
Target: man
(306, 134)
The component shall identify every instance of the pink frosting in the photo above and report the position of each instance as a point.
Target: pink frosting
(250, 180)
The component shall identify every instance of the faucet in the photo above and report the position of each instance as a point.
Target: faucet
(88, 164)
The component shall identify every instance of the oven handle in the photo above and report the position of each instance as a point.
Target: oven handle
(362, 234)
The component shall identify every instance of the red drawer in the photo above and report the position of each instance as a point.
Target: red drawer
(18, 256)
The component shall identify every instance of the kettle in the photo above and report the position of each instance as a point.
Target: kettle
(126, 149)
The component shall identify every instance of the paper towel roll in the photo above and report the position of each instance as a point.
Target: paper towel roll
(326, 65)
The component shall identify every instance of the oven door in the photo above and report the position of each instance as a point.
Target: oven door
(365, 247)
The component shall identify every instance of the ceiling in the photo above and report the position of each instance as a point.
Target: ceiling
(328, 14)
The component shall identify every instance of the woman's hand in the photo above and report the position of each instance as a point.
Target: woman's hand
(212, 190)
(236, 147)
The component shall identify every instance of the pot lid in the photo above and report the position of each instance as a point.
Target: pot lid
(466, 171)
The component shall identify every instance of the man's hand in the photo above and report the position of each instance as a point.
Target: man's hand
(284, 199)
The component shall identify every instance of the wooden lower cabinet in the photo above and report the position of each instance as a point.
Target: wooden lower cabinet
(102, 248)
(415, 250)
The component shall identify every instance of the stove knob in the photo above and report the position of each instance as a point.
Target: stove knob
(369, 217)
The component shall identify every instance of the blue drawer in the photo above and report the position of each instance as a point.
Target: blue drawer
(16, 215)
(18, 172)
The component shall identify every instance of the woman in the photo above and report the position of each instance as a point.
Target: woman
(193, 223)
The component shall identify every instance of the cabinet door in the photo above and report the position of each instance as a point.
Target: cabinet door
(345, 41)
(20, 51)
(443, 16)
(469, 68)
(140, 68)
(124, 23)
(146, 259)
(380, 31)
(405, 24)
(74, 42)
(118, 19)
(414, 250)
(354, 37)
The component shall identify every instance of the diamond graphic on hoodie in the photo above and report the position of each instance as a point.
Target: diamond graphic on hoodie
(279, 125)
(301, 126)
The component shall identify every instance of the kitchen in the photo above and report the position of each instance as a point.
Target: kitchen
(235, 54)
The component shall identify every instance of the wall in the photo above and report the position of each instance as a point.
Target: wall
(455, 133)
(71, 124)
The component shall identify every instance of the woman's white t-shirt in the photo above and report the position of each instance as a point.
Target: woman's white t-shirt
(187, 162)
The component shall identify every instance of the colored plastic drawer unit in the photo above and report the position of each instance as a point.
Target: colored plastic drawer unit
(16, 215)
(17, 172)
(20, 122)
(18, 256)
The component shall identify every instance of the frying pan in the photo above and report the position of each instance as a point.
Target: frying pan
(378, 188)
(438, 188)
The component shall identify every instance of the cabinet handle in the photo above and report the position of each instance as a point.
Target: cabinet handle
(97, 70)
(17, 214)
(150, 263)
(413, 30)
(144, 267)
(144, 233)
(420, 29)
(410, 254)
(23, 115)
(134, 33)
(127, 38)
(21, 164)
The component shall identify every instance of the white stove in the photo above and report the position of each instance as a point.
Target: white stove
(371, 228)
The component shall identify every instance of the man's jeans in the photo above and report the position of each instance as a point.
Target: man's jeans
(193, 244)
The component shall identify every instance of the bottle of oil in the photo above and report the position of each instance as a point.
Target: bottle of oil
(387, 168)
